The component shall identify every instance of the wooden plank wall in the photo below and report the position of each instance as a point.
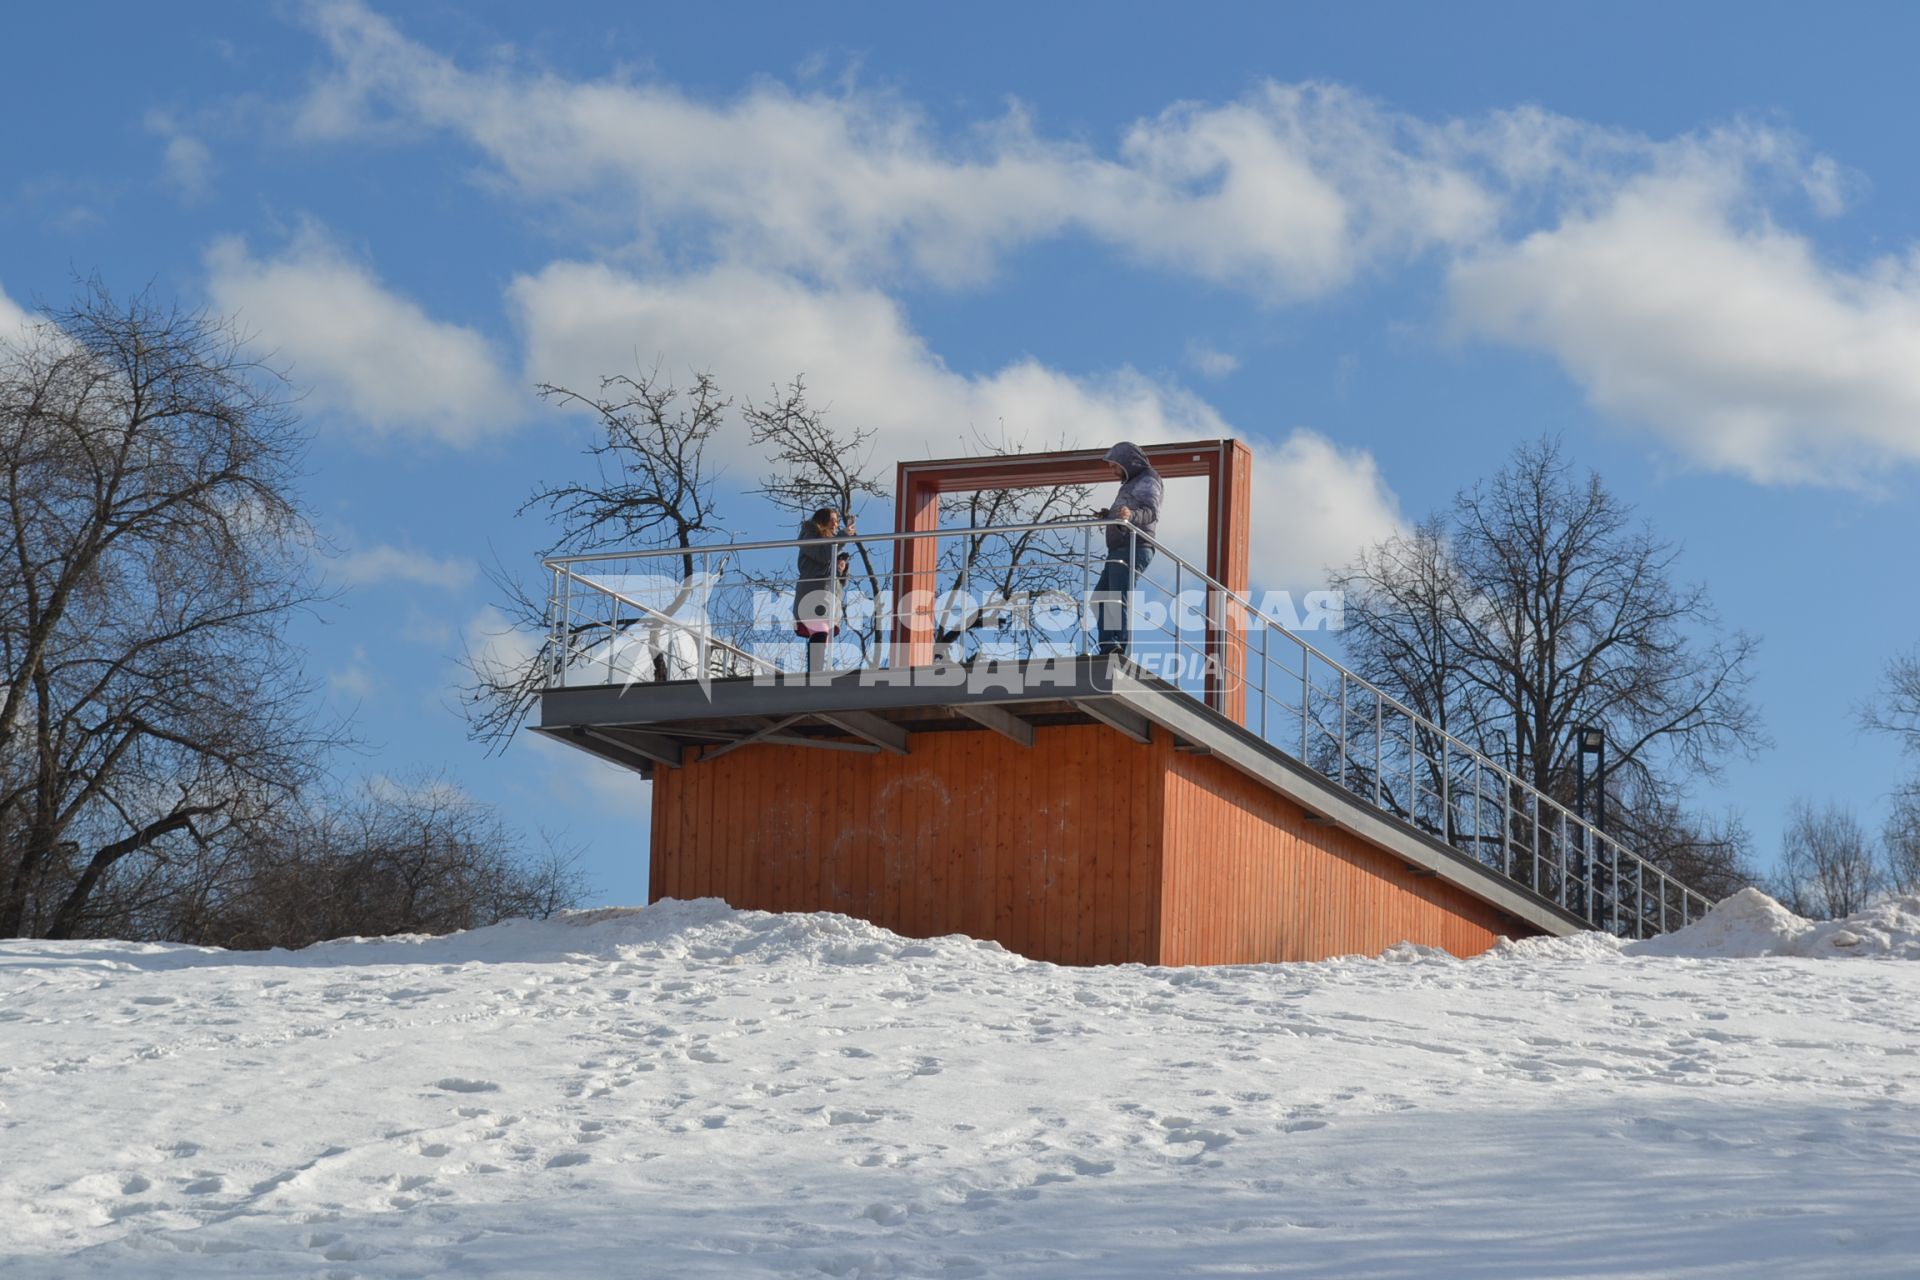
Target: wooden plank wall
(1052, 852)
(1087, 849)
(1249, 879)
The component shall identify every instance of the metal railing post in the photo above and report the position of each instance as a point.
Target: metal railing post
(1413, 782)
(1266, 674)
(1132, 595)
(1343, 728)
(566, 617)
(1306, 699)
(702, 640)
(1536, 840)
(1506, 828)
(1379, 745)
(1084, 644)
(1561, 853)
(1613, 870)
(1179, 647)
(556, 668)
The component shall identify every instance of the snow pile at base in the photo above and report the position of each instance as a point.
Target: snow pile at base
(1579, 947)
(691, 1091)
(1751, 924)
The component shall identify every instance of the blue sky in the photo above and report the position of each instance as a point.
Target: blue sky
(1382, 243)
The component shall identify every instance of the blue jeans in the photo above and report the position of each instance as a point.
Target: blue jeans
(1110, 596)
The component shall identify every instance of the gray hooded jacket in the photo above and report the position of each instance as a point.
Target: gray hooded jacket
(1140, 492)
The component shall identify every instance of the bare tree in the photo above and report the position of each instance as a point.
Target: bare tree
(1828, 865)
(414, 855)
(813, 464)
(1712, 854)
(1538, 605)
(653, 486)
(1901, 841)
(154, 550)
(1896, 711)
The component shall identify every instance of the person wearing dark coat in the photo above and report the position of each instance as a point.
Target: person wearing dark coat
(820, 576)
(1138, 504)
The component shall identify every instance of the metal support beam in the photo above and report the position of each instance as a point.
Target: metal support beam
(757, 725)
(864, 724)
(1004, 723)
(1116, 716)
(771, 727)
(659, 749)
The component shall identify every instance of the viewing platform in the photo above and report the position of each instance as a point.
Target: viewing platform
(963, 758)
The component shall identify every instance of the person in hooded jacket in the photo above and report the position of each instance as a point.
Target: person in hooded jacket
(1137, 503)
(820, 576)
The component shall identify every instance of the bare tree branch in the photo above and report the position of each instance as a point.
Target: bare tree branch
(153, 550)
(1537, 605)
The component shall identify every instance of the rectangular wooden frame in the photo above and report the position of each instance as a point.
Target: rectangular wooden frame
(1228, 468)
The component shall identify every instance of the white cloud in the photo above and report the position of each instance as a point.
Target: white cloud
(362, 349)
(14, 319)
(425, 627)
(1678, 302)
(578, 781)
(498, 650)
(1209, 362)
(1314, 504)
(1662, 275)
(421, 788)
(383, 563)
(570, 780)
(1287, 192)
(355, 681)
(753, 329)
(185, 162)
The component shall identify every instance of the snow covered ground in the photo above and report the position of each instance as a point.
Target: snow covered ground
(691, 1091)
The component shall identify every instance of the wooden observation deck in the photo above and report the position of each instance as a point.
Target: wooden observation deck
(1227, 806)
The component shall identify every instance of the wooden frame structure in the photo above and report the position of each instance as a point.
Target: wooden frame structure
(1227, 466)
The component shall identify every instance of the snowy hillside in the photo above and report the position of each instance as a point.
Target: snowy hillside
(691, 1091)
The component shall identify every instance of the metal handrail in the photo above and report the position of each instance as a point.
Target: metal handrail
(1448, 740)
(897, 535)
(665, 618)
(1540, 809)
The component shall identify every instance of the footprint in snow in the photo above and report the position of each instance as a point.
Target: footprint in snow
(459, 1084)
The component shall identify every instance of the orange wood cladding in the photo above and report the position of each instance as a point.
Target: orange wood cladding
(1087, 849)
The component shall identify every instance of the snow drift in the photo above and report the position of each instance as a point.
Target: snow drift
(1750, 924)
(687, 1090)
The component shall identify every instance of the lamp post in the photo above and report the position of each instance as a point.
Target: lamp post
(1592, 740)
